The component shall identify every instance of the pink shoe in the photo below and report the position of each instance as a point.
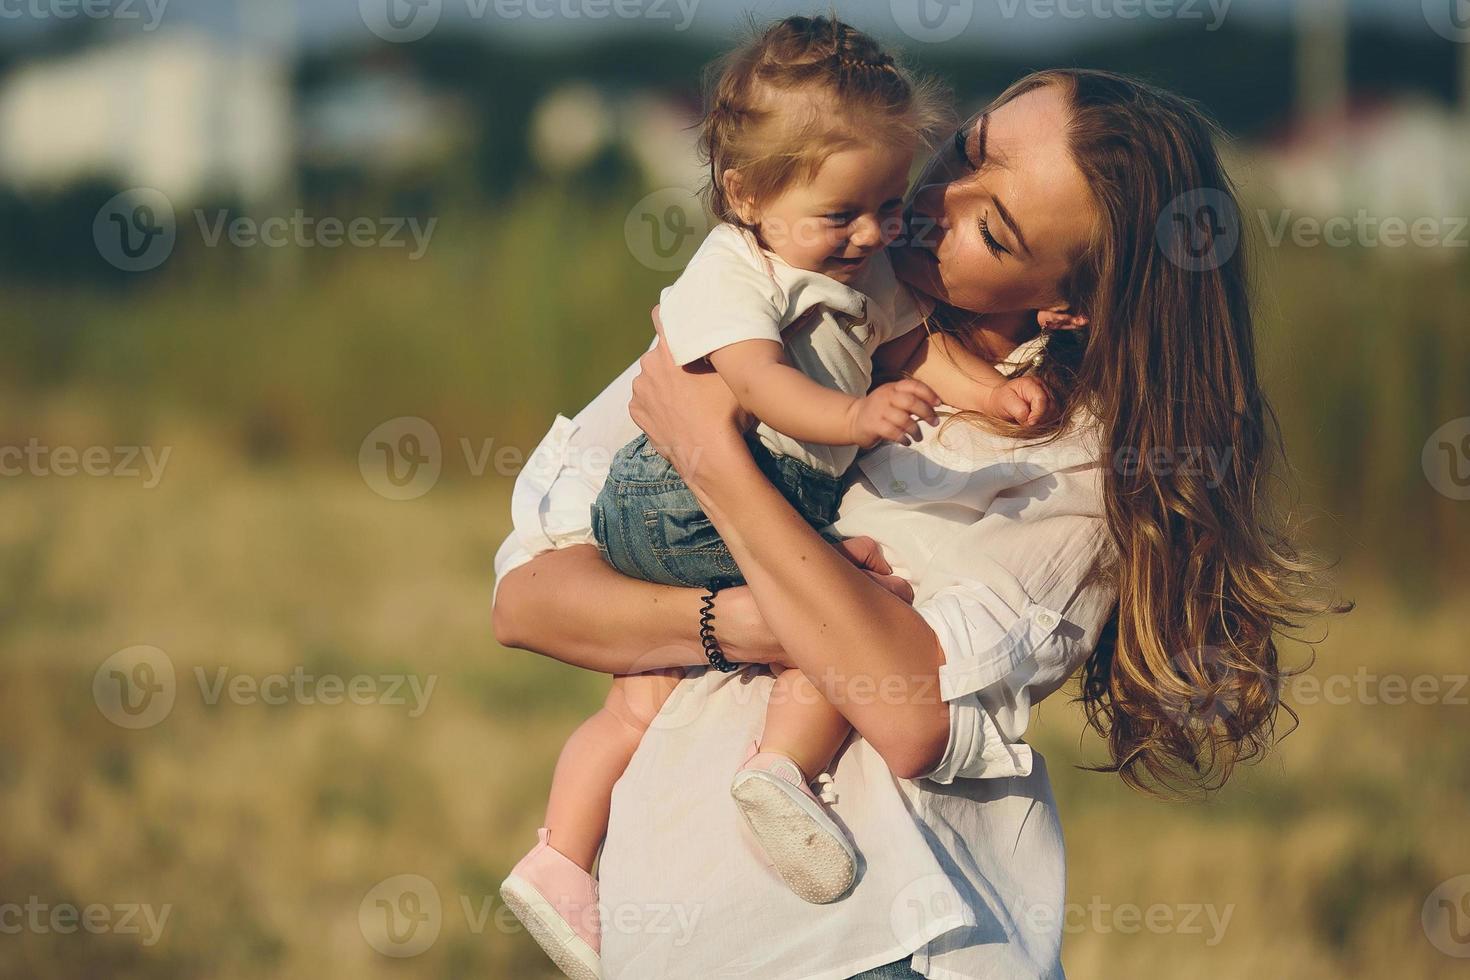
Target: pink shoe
(557, 903)
(810, 852)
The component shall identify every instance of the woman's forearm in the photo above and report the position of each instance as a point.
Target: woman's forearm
(572, 606)
(870, 653)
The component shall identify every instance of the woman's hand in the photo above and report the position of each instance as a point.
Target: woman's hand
(742, 630)
(683, 411)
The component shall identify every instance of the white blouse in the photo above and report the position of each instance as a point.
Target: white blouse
(962, 869)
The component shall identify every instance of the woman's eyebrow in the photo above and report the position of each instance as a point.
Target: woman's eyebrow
(1005, 216)
(1000, 208)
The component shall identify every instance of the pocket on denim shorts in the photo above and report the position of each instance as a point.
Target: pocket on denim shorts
(686, 541)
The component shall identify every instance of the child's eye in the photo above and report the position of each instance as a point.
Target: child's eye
(840, 218)
(996, 248)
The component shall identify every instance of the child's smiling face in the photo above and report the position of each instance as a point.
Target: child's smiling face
(843, 216)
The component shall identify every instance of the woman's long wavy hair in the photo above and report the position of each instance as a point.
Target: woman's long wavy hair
(1186, 680)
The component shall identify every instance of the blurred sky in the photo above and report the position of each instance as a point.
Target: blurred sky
(994, 22)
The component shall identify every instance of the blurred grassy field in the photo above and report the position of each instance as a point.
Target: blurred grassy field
(263, 550)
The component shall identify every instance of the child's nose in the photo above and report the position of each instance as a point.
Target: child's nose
(867, 232)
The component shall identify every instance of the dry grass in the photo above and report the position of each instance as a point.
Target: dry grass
(264, 826)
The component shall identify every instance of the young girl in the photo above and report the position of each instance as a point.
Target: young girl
(810, 136)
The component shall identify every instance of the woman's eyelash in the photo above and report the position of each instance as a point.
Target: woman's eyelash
(996, 248)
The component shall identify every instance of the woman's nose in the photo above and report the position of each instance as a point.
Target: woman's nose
(926, 219)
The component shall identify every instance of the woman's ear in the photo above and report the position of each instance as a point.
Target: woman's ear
(1060, 317)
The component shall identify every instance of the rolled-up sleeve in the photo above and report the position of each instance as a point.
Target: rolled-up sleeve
(1017, 602)
(551, 502)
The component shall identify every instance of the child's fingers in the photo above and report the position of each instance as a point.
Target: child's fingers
(917, 388)
(899, 428)
(902, 419)
(914, 405)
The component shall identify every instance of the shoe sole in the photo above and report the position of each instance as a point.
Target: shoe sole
(554, 934)
(810, 852)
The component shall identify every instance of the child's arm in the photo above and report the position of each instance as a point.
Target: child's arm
(1021, 400)
(792, 403)
(890, 358)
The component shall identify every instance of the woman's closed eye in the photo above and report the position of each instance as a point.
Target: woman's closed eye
(996, 248)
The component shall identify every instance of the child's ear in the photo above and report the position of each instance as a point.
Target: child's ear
(734, 188)
(1060, 317)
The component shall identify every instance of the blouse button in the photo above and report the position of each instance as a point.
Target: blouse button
(898, 486)
(1047, 619)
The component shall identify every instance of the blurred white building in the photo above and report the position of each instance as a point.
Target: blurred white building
(1404, 159)
(180, 112)
(384, 121)
(576, 121)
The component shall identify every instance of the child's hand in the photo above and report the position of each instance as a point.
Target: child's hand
(1023, 401)
(887, 412)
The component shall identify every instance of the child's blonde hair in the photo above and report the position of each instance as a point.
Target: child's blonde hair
(795, 93)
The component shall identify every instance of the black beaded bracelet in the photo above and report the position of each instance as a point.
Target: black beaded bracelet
(712, 650)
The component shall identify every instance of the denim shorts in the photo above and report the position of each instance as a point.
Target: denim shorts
(892, 971)
(649, 524)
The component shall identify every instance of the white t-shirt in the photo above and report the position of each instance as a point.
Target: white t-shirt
(732, 290)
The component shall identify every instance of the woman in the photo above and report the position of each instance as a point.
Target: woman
(1087, 541)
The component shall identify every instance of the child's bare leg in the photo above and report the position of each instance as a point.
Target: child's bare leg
(594, 758)
(802, 725)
